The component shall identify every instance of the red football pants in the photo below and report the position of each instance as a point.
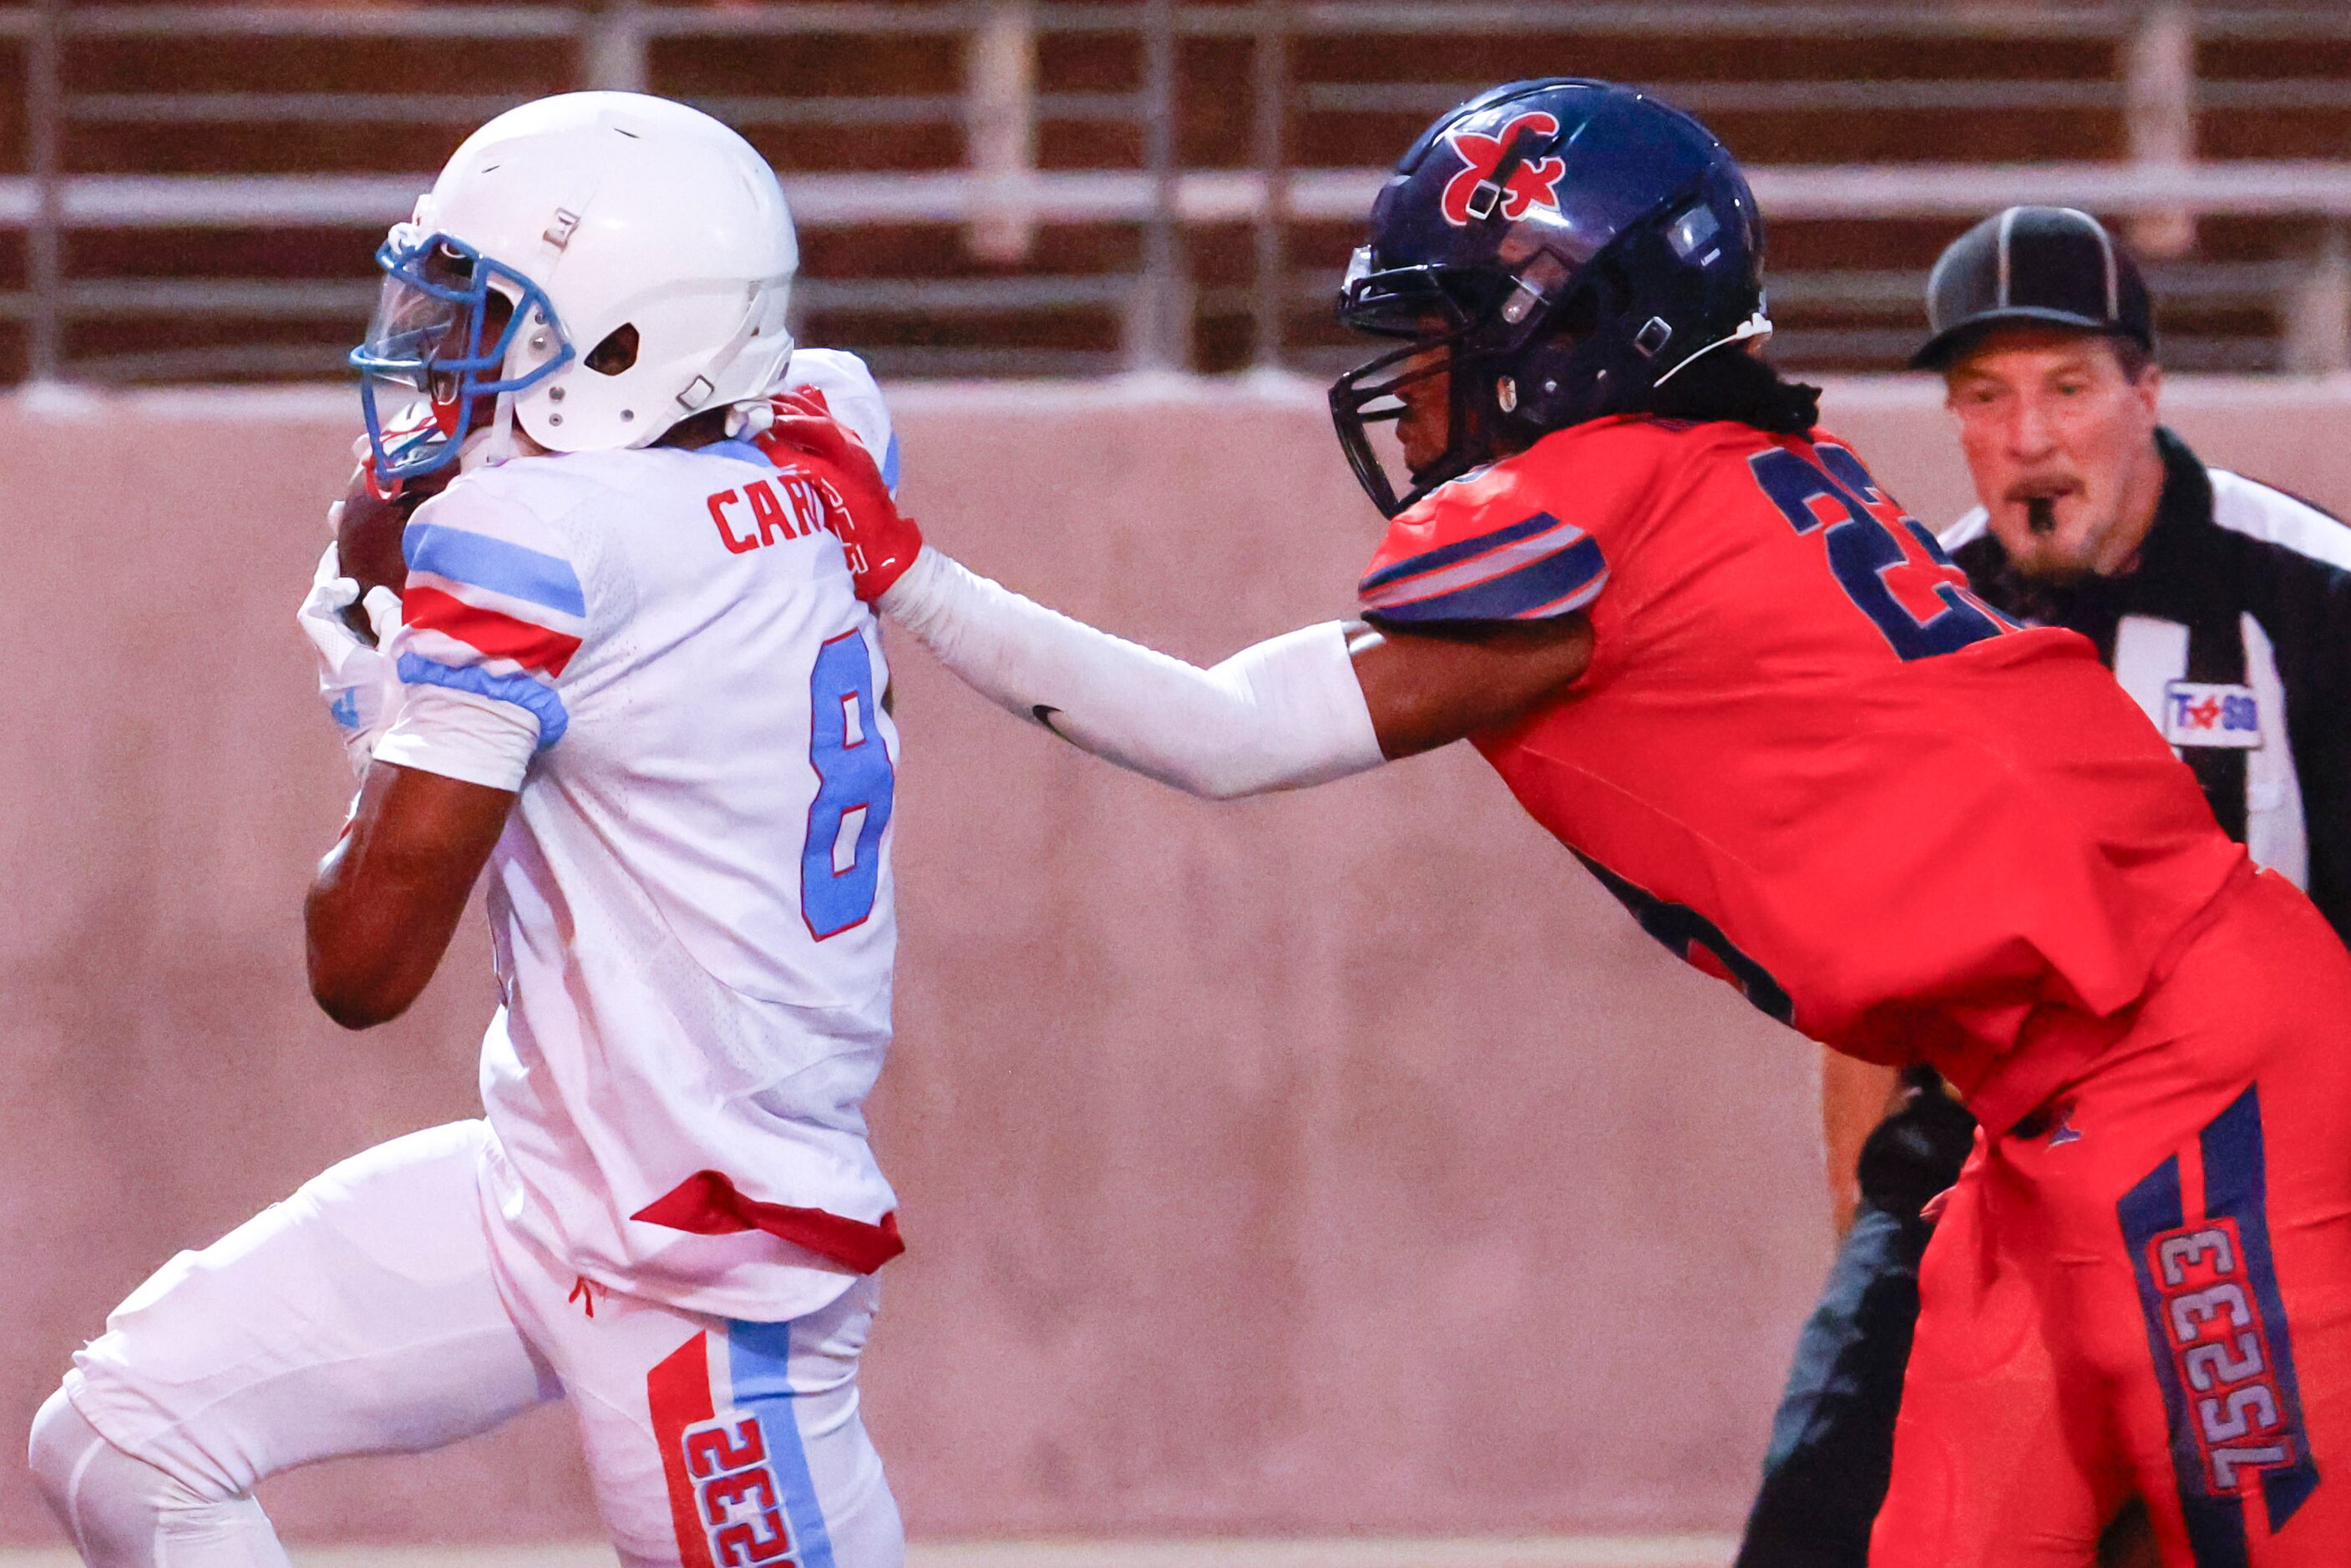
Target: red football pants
(2146, 1286)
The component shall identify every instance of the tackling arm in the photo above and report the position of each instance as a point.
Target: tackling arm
(388, 897)
(1312, 705)
(1435, 685)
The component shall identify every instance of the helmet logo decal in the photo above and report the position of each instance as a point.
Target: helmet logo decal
(1533, 183)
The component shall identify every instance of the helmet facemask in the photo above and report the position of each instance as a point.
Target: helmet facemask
(446, 331)
(1452, 327)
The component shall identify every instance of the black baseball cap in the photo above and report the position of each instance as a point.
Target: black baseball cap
(2051, 264)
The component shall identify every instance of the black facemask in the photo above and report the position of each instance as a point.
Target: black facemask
(1355, 407)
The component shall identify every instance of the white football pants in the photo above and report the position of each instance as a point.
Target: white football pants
(385, 1308)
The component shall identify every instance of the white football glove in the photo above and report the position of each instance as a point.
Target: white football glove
(361, 684)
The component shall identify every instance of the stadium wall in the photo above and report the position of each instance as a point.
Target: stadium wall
(1340, 1161)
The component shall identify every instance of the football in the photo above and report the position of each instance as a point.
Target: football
(367, 537)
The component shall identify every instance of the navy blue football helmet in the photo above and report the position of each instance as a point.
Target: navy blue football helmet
(1562, 247)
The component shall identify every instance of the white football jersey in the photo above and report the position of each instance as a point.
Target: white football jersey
(692, 905)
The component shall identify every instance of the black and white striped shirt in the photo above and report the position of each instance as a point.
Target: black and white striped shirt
(2234, 632)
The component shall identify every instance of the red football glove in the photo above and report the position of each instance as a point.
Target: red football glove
(880, 541)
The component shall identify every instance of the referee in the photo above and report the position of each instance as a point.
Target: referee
(2224, 606)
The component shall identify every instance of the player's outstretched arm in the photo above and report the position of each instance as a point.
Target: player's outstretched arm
(1315, 704)
(1283, 714)
(1435, 685)
(388, 897)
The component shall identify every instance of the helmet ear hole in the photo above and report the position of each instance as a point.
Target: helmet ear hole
(1578, 315)
(616, 353)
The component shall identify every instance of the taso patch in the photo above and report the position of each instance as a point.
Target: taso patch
(2196, 714)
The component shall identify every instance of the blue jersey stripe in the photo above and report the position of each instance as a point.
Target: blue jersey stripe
(1513, 594)
(760, 1356)
(735, 451)
(890, 464)
(541, 700)
(518, 572)
(1461, 550)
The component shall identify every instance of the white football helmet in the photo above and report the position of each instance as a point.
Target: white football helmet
(602, 265)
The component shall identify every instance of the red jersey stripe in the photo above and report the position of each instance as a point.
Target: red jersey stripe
(493, 632)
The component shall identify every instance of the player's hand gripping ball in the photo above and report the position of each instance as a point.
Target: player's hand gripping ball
(880, 541)
(368, 522)
(357, 679)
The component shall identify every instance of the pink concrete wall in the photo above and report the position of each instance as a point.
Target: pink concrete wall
(1337, 1161)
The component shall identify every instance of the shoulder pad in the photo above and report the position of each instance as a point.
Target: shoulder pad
(854, 398)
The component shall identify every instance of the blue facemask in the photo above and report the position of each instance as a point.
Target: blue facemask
(433, 337)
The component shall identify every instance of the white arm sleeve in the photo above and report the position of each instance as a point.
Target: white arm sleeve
(459, 735)
(1283, 714)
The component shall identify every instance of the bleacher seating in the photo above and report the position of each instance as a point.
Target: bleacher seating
(891, 88)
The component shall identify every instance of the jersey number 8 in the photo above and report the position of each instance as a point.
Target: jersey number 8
(840, 864)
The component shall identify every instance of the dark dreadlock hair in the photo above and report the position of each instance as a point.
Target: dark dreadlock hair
(1729, 384)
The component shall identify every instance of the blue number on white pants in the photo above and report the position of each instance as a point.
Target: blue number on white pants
(855, 784)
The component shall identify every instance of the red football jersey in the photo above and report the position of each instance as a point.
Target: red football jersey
(1804, 754)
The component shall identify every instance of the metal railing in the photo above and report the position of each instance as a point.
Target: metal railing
(1001, 197)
